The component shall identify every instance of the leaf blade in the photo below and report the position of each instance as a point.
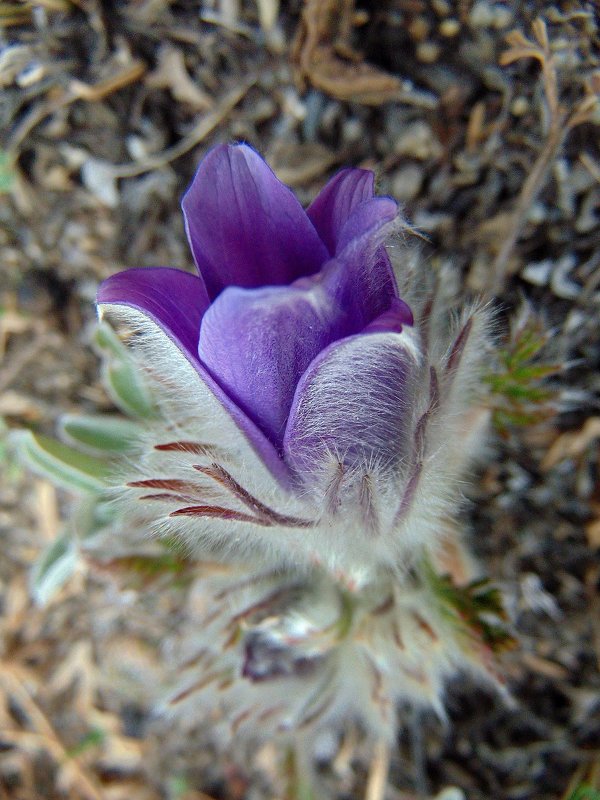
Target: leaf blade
(61, 464)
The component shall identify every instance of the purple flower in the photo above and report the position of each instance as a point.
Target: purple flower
(293, 322)
(313, 437)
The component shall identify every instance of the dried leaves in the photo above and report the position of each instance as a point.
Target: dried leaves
(171, 73)
(541, 50)
(323, 56)
(498, 145)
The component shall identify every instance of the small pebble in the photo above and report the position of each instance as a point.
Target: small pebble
(352, 130)
(441, 7)
(449, 28)
(537, 273)
(407, 182)
(98, 178)
(325, 746)
(418, 141)
(519, 106)
(33, 73)
(561, 283)
(428, 52)
(451, 793)
(490, 15)
(136, 147)
(537, 214)
(419, 29)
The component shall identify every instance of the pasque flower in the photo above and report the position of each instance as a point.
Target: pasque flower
(316, 423)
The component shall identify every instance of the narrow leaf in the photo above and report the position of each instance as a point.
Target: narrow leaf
(125, 387)
(103, 433)
(107, 342)
(92, 515)
(61, 464)
(53, 569)
(123, 380)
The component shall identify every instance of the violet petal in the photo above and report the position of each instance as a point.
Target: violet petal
(392, 320)
(365, 283)
(331, 208)
(257, 343)
(362, 226)
(176, 301)
(355, 400)
(245, 227)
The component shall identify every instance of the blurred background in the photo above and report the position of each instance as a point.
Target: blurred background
(482, 118)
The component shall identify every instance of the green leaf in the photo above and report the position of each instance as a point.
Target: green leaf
(584, 792)
(149, 567)
(102, 433)
(178, 786)
(127, 389)
(519, 394)
(123, 379)
(53, 569)
(63, 465)
(475, 607)
(107, 343)
(92, 515)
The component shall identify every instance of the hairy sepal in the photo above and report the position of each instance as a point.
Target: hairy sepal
(190, 413)
(278, 656)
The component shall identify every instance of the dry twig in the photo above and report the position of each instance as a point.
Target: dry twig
(206, 125)
(560, 122)
(378, 771)
(44, 734)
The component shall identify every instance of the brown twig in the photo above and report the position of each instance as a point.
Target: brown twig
(378, 771)
(78, 90)
(10, 371)
(205, 126)
(44, 731)
(561, 122)
(529, 192)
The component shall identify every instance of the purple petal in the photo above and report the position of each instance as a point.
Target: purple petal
(176, 301)
(355, 403)
(244, 226)
(257, 343)
(365, 283)
(333, 205)
(364, 226)
(392, 320)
